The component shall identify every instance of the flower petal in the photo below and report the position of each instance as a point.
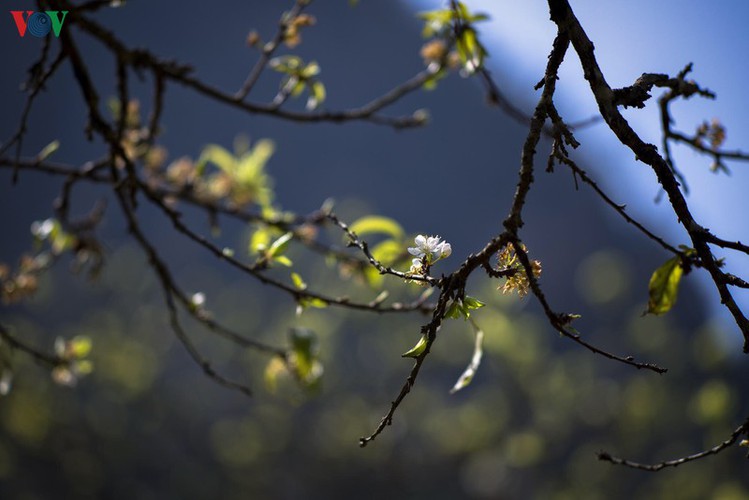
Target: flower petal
(446, 250)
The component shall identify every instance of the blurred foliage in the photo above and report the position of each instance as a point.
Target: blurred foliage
(148, 424)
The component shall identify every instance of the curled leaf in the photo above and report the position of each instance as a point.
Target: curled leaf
(416, 350)
(467, 376)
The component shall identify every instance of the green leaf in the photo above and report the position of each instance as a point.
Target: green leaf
(463, 307)
(298, 281)
(283, 260)
(467, 376)
(286, 64)
(304, 346)
(317, 95)
(470, 50)
(84, 367)
(260, 240)
(80, 346)
(310, 70)
(219, 156)
(664, 286)
(279, 246)
(454, 311)
(273, 370)
(303, 341)
(377, 224)
(431, 82)
(472, 302)
(298, 88)
(48, 150)
(416, 350)
(304, 349)
(251, 164)
(312, 302)
(435, 21)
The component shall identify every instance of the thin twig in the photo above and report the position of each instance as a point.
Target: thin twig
(741, 430)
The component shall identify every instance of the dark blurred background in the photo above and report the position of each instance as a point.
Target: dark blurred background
(148, 424)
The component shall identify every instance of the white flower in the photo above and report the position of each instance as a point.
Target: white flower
(416, 267)
(430, 247)
(198, 299)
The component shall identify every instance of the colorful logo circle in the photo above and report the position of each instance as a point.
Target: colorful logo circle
(39, 24)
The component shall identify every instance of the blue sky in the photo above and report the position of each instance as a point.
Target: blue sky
(632, 37)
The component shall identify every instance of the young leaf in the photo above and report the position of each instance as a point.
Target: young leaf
(472, 302)
(454, 311)
(298, 281)
(80, 346)
(283, 260)
(312, 302)
(219, 156)
(377, 224)
(48, 150)
(664, 286)
(260, 240)
(307, 367)
(273, 370)
(467, 376)
(286, 64)
(416, 350)
(278, 247)
(317, 95)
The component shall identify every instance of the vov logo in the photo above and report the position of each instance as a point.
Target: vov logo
(39, 24)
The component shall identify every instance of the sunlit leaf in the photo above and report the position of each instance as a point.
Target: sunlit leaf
(467, 376)
(317, 95)
(461, 308)
(252, 163)
(273, 370)
(286, 64)
(416, 350)
(48, 150)
(310, 70)
(454, 311)
(298, 281)
(472, 302)
(260, 240)
(664, 286)
(279, 246)
(80, 346)
(377, 224)
(312, 302)
(219, 156)
(297, 88)
(283, 260)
